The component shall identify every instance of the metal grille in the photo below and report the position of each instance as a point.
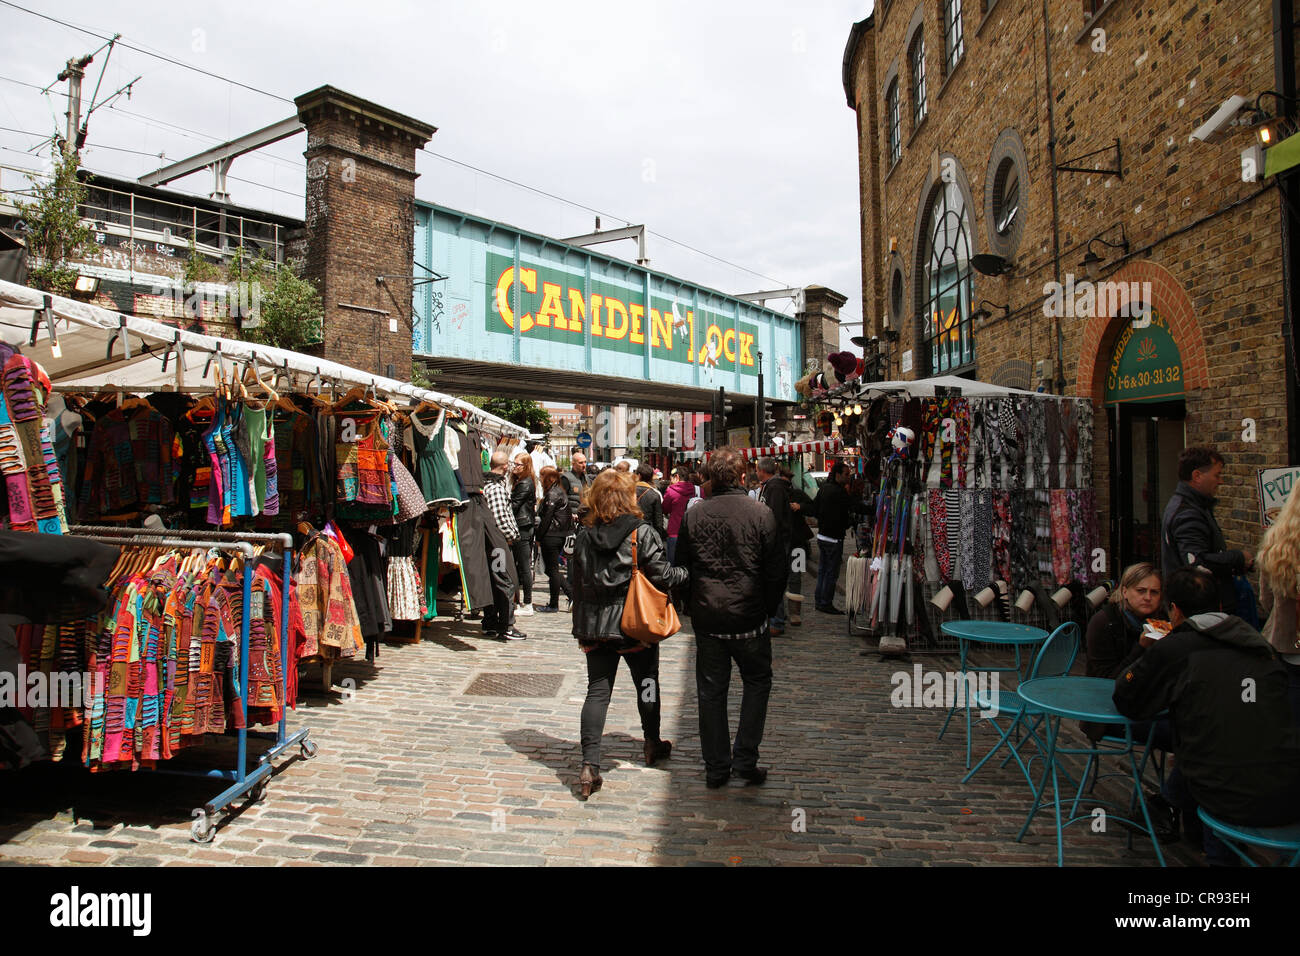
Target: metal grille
(515, 685)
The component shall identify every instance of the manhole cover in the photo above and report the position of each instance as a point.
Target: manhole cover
(515, 685)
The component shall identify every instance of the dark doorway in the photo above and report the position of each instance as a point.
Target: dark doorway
(1145, 441)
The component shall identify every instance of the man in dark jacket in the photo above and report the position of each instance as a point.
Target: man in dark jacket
(1226, 693)
(834, 515)
(729, 545)
(648, 498)
(774, 492)
(575, 483)
(1191, 534)
(800, 537)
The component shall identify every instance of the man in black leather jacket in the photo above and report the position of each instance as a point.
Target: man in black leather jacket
(729, 545)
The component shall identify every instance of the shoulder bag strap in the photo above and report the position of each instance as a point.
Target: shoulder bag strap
(633, 536)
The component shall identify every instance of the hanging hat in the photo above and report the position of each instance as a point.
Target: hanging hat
(843, 363)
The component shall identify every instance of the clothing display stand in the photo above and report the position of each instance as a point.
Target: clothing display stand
(243, 781)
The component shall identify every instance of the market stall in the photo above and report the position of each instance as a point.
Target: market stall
(269, 508)
(968, 490)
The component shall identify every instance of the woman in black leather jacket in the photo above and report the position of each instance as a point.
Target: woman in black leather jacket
(523, 502)
(554, 522)
(599, 574)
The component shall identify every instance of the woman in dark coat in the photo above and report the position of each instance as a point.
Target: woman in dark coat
(554, 522)
(600, 572)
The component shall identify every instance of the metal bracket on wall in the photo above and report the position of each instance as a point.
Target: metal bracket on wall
(1069, 167)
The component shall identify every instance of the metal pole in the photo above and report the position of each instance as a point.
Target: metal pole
(241, 770)
(287, 554)
(760, 423)
(1056, 200)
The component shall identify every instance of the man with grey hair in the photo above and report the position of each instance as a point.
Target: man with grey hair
(729, 544)
(500, 622)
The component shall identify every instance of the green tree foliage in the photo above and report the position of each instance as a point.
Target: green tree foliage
(55, 232)
(525, 413)
(287, 308)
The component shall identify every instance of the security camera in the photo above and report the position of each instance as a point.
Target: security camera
(1221, 118)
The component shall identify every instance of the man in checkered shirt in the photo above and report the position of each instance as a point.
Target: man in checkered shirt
(502, 621)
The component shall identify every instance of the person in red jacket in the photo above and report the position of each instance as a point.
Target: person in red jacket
(676, 498)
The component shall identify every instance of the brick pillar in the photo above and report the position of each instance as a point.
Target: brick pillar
(821, 336)
(361, 225)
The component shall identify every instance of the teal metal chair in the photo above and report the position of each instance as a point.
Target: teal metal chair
(1054, 659)
(1285, 839)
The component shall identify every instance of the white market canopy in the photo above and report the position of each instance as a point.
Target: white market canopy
(94, 344)
(925, 388)
(825, 446)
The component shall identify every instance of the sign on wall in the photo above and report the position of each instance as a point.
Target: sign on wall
(1145, 365)
(1275, 485)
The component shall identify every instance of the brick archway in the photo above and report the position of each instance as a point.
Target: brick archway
(1168, 297)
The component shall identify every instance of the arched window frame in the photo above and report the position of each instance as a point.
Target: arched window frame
(893, 124)
(954, 38)
(916, 76)
(944, 242)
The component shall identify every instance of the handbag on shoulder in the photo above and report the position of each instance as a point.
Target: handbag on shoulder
(648, 614)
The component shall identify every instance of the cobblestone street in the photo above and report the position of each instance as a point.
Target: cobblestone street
(411, 770)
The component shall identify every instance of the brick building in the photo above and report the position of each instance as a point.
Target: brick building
(957, 106)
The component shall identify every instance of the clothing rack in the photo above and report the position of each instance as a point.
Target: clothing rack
(243, 781)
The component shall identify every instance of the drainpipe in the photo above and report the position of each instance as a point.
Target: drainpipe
(1056, 207)
(1285, 83)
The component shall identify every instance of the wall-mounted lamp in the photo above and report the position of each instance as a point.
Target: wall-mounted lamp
(1265, 125)
(85, 287)
(982, 314)
(1091, 264)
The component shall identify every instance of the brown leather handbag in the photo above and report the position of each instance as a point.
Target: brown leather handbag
(648, 614)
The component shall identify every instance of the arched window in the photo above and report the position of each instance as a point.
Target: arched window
(947, 283)
(893, 124)
(916, 57)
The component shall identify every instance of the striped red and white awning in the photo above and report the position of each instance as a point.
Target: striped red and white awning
(825, 447)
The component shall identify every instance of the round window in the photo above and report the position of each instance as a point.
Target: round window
(1006, 197)
(896, 295)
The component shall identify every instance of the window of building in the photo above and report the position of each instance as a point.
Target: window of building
(896, 296)
(954, 42)
(1006, 197)
(948, 342)
(917, 58)
(894, 122)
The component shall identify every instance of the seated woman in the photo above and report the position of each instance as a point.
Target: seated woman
(1117, 637)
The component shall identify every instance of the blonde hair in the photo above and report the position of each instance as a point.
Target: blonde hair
(1279, 555)
(1133, 575)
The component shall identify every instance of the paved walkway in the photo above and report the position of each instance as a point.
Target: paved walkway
(410, 770)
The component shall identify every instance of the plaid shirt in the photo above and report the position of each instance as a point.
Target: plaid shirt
(498, 499)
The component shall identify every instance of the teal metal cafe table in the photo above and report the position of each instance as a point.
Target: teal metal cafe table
(1087, 699)
(986, 632)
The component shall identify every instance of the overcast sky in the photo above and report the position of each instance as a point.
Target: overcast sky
(720, 125)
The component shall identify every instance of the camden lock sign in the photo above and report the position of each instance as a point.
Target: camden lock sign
(1146, 365)
(555, 308)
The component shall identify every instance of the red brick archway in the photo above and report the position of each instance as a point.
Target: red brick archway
(1168, 297)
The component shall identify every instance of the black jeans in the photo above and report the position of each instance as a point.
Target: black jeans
(713, 659)
(523, 550)
(551, 546)
(602, 667)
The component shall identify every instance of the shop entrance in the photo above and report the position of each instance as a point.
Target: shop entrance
(1145, 411)
(1146, 439)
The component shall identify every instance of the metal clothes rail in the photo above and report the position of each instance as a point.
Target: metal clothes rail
(243, 781)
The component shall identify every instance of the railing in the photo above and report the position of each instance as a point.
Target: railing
(215, 233)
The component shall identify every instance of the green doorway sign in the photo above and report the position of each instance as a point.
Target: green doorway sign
(1145, 365)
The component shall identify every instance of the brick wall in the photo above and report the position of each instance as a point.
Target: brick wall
(1201, 235)
(360, 225)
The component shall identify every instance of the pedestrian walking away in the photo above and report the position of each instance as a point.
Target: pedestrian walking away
(523, 503)
(728, 543)
(600, 572)
(554, 523)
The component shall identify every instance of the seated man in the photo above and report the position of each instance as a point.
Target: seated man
(1226, 693)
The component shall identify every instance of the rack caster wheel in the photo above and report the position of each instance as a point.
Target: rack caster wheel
(257, 794)
(203, 829)
(308, 750)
